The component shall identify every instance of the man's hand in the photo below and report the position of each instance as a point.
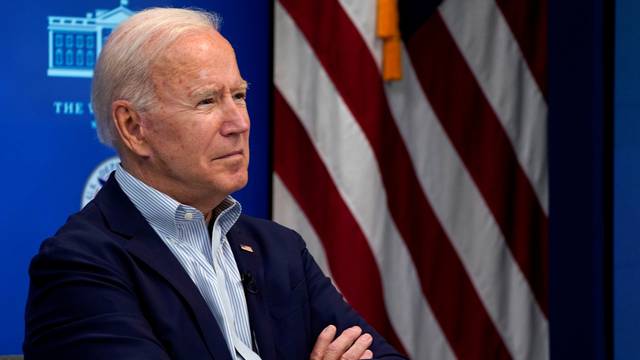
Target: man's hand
(350, 345)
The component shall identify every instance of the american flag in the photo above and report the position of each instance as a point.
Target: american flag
(424, 198)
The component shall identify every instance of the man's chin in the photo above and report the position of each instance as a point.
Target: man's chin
(235, 183)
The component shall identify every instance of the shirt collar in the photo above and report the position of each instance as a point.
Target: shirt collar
(163, 212)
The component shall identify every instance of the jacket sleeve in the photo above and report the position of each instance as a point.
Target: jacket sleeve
(81, 308)
(328, 307)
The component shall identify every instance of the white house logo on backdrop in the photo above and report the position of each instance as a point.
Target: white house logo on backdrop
(97, 178)
(75, 42)
(74, 46)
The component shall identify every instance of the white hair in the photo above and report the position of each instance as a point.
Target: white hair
(124, 65)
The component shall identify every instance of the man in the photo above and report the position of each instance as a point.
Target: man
(161, 264)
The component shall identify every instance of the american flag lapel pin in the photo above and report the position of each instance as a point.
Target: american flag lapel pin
(246, 248)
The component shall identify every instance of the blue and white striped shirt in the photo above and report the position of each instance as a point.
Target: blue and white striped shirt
(207, 259)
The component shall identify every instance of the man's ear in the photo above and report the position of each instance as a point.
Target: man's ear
(129, 125)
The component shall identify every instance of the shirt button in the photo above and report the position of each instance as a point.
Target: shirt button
(188, 216)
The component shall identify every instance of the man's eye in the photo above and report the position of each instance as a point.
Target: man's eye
(240, 96)
(207, 101)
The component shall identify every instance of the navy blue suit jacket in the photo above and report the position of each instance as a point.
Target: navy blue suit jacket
(107, 287)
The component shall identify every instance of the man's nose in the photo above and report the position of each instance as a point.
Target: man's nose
(235, 119)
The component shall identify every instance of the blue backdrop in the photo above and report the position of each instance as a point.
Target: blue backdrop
(49, 144)
(627, 181)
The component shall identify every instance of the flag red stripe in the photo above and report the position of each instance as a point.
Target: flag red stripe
(350, 258)
(484, 147)
(528, 22)
(444, 281)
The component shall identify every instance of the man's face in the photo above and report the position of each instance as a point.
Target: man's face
(198, 129)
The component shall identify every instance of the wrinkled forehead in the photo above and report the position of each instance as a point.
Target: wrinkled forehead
(194, 53)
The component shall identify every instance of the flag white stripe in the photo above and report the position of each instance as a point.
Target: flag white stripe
(287, 212)
(491, 51)
(331, 126)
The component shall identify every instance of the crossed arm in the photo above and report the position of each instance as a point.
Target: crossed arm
(358, 340)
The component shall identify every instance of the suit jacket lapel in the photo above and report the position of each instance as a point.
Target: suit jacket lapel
(145, 245)
(251, 263)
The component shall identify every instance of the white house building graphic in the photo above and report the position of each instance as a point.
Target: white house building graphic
(75, 42)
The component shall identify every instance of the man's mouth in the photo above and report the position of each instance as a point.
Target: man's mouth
(230, 155)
